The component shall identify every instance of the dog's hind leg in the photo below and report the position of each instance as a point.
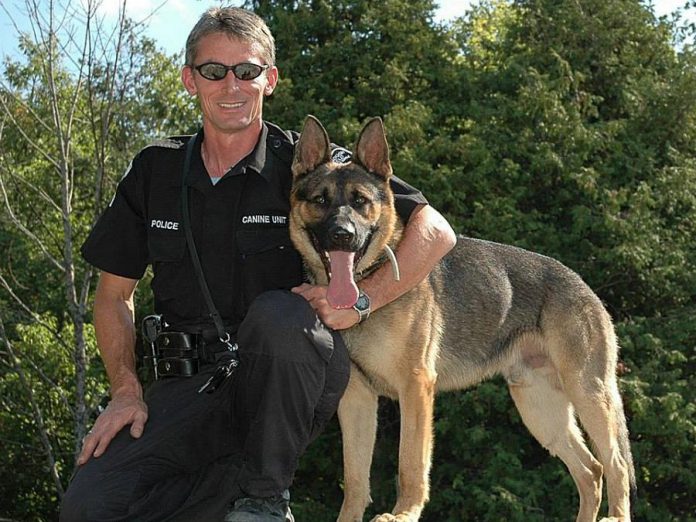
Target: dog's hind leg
(548, 414)
(601, 413)
(589, 379)
(357, 414)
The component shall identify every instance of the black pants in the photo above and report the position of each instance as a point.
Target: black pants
(201, 451)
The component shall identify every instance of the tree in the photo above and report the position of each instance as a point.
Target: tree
(580, 139)
(71, 115)
(349, 60)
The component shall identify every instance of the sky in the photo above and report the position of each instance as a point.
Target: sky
(169, 20)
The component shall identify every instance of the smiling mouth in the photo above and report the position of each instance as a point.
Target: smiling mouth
(236, 105)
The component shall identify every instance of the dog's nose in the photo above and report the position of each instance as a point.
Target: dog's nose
(342, 235)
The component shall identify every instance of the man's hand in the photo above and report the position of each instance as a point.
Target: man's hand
(333, 318)
(121, 411)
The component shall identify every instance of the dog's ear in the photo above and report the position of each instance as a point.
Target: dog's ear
(372, 150)
(312, 149)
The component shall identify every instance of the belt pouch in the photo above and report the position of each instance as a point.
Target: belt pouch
(177, 367)
(178, 354)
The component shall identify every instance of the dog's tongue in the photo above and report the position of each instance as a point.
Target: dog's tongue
(343, 292)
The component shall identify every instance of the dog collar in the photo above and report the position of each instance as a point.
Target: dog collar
(388, 256)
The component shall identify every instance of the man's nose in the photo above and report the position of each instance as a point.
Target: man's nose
(231, 82)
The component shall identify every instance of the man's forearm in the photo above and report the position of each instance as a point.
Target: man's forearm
(115, 331)
(427, 238)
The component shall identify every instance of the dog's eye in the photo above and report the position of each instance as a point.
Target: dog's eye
(319, 200)
(359, 200)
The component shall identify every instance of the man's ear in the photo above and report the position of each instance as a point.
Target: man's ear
(312, 149)
(372, 150)
(271, 81)
(187, 80)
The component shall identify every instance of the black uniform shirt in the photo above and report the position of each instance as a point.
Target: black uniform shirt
(239, 225)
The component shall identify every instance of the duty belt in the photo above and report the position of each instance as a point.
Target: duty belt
(181, 353)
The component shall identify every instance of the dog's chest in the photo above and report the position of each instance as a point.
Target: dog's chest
(373, 353)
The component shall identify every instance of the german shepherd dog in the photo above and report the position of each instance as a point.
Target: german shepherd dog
(485, 309)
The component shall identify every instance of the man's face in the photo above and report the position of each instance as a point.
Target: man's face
(229, 105)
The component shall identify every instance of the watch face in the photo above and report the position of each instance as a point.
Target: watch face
(363, 303)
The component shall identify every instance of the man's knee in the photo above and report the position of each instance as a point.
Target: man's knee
(94, 498)
(279, 311)
(282, 324)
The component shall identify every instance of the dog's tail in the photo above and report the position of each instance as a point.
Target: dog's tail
(625, 449)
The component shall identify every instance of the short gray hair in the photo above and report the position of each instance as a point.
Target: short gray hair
(235, 22)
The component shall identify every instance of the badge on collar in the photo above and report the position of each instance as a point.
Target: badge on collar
(340, 155)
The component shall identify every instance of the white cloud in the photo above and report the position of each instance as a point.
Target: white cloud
(450, 9)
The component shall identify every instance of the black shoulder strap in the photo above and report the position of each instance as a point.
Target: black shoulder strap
(282, 142)
(186, 219)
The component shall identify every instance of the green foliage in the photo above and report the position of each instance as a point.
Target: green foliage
(571, 154)
(65, 141)
(344, 61)
(661, 406)
(48, 368)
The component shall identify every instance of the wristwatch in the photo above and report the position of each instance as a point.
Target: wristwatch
(362, 306)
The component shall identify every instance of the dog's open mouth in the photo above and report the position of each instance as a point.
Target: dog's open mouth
(340, 271)
(342, 292)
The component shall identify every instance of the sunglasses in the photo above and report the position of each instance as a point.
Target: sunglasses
(246, 71)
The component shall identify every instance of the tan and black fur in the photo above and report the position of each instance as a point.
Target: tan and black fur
(486, 309)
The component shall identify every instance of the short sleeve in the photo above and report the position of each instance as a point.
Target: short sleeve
(118, 242)
(406, 198)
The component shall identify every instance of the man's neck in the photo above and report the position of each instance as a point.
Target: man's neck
(223, 150)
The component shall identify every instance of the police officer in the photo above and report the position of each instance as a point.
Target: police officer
(174, 453)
